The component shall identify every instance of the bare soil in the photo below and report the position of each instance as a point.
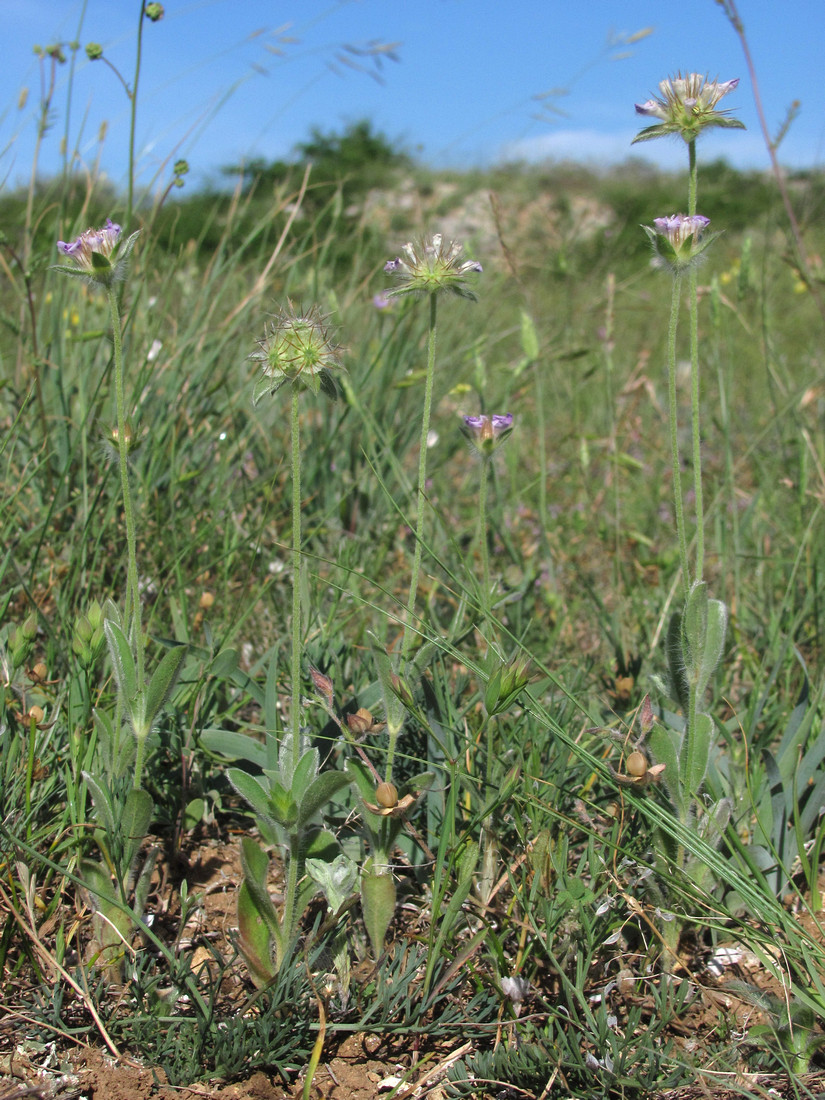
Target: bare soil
(353, 1066)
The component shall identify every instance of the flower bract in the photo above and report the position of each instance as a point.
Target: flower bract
(687, 106)
(298, 350)
(431, 265)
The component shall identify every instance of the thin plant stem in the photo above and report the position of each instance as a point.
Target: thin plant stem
(133, 99)
(697, 436)
(296, 578)
(693, 296)
(293, 873)
(132, 610)
(613, 426)
(406, 643)
(486, 592)
(674, 431)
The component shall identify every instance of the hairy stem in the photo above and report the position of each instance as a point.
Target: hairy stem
(409, 631)
(674, 431)
(296, 579)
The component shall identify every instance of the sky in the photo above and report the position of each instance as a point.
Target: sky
(457, 83)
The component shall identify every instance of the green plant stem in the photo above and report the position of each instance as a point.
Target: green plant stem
(406, 643)
(296, 579)
(486, 596)
(294, 871)
(133, 99)
(695, 425)
(674, 431)
(693, 296)
(132, 623)
(132, 611)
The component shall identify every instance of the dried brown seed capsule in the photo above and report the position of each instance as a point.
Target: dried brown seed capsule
(636, 764)
(386, 795)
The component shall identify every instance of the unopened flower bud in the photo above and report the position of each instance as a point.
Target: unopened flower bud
(154, 12)
(323, 685)
(94, 51)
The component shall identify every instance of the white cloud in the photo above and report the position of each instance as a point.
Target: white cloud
(601, 149)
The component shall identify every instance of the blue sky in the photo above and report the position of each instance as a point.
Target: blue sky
(226, 80)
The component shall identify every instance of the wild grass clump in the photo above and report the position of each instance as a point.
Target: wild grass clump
(497, 672)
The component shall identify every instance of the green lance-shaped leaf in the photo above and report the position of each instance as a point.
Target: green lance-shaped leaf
(676, 662)
(162, 682)
(663, 742)
(255, 939)
(694, 755)
(377, 904)
(283, 807)
(251, 790)
(103, 805)
(322, 789)
(704, 624)
(143, 882)
(255, 863)
(304, 775)
(234, 745)
(135, 822)
(123, 663)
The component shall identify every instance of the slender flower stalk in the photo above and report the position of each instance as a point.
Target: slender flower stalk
(100, 258)
(295, 713)
(686, 106)
(486, 434)
(429, 266)
(421, 495)
(673, 419)
(297, 351)
(679, 242)
(693, 297)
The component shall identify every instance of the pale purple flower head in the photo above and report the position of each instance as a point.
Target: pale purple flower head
(430, 266)
(487, 433)
(679, 228)
(102, 241)
(97, 254)
(678, 240)
(686, 107)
